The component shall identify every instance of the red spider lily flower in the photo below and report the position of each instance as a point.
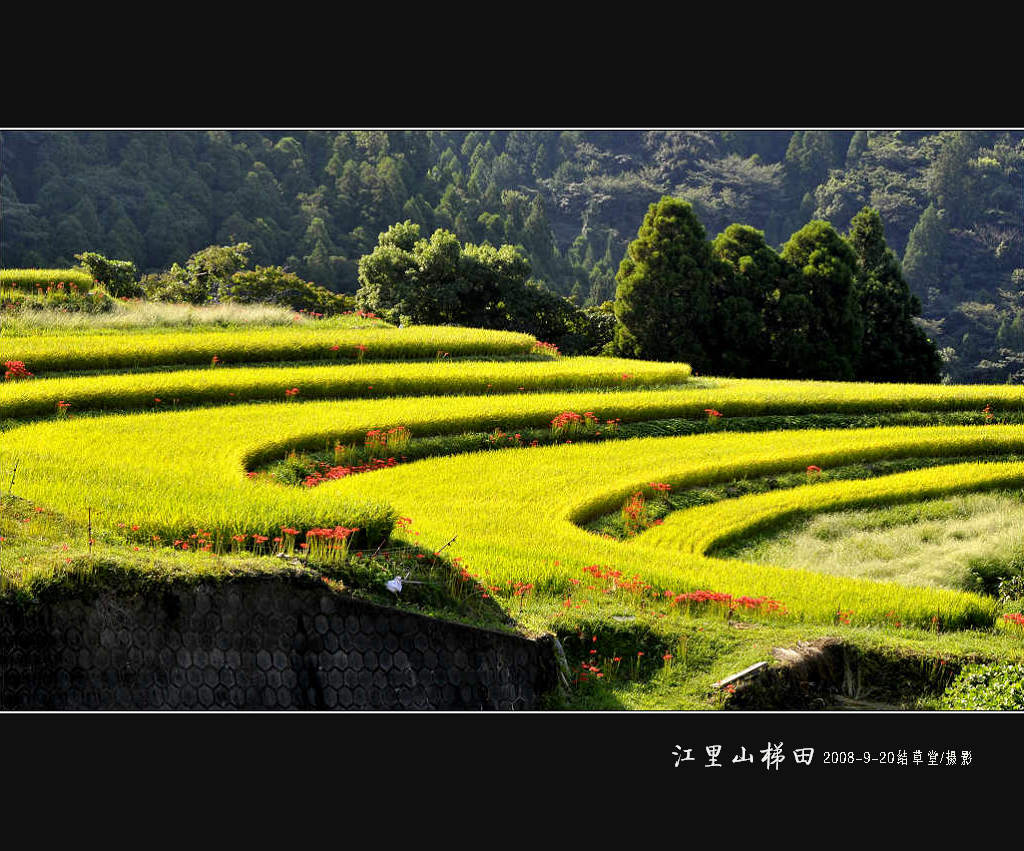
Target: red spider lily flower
(15, 370)
(814, 468)
(711, 412)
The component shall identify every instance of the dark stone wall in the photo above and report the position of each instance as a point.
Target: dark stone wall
(259, 645)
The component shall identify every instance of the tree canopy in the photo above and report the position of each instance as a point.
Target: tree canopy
(664, 288)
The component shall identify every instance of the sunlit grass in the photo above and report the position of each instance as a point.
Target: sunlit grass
(49, 353)
(29, 279)
(514, 512)
(343, 379)
(930, 543)
(140, 316)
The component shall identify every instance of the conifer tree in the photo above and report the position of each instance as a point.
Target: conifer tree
(751, 279)
(663, 295)
(821, 327)
(893, 347)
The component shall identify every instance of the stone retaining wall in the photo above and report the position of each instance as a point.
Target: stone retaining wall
(260, 644)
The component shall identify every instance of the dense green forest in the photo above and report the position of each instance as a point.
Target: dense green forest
(951, 203)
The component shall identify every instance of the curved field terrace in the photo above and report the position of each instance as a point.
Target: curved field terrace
(622, 503)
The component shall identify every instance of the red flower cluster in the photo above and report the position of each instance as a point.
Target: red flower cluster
(377, 440)
(712, 413)
(497, 436)
(199, 540)
(635, 514)
(15, 370)
(547, 348)
(634, 585)
(329, 473)
(814, 468)
(338, 533)
(570, 422)
(521, 589)
(1015, 618)
(564, 419)
(292, 393)
(719, 598)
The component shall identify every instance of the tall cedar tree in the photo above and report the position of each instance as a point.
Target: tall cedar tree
(663, 300)
(820, 329)
(893, 347)
(751, 278)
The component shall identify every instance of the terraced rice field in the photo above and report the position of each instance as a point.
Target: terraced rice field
(166, 450)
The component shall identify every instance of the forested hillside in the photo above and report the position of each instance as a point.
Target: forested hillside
(952, 204)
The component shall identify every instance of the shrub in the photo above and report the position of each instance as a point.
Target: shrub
(995, 686)
(273, 285)
(202, 278)
(119, 277)
(987, 575)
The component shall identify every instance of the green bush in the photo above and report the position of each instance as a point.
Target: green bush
(995, 686)
(119, 277)
(273, 285)
(986, 575)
